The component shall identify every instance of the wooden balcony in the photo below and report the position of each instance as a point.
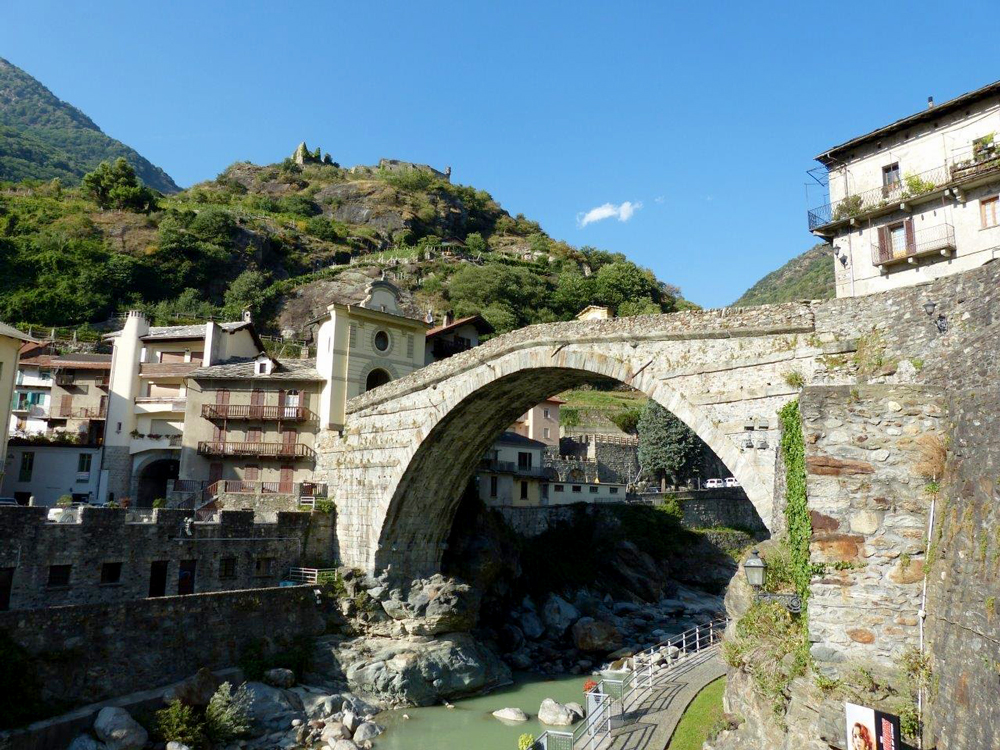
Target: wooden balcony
(935, 240)
(79, 412)
(257, 412)
(285, 451)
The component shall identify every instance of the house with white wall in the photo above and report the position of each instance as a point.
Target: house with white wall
(43, 473)
(916, 199)
(541, 422)
(455, 336)
(32, 391)
(11, 341)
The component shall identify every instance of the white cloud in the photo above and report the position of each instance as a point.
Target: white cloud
(660, 198)
(622, 212)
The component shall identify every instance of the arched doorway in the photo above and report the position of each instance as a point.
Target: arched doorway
(376, 378)
(153, 481)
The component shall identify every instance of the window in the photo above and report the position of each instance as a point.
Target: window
(59, 575)
(897, 240)
(111, 572)
(890, 175)
(613, 490)
(545, 413)
(988, 211)
(545, 432)
(381, 341)
(262, 368)
(559, 488)
(227, 567)
(493, 486)
(593, 490)
(523, 460)
(185, 577)
(83, 463)
(524, 490)
(27, 465)
(262, 566)
(577, 488)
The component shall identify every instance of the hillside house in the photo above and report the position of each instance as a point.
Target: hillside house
(455, 336)
(916, 199)
(11, 341)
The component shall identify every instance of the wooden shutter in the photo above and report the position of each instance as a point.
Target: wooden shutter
(251, 473)
(222, 396)
(257, 397)
(66, 406)
(884, 246)
(287, 475)
(253, 435)
(289, 436)
(911, 241)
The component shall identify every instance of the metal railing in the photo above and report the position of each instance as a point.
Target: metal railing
(309, 575)
(175, 403)
(610, 701)
(80, 412)
(256, 411)
(975, 160)
(510, 467)
(935, 239)
(254, 450)
(252, 487)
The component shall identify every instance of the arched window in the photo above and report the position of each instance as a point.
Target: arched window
(376, 378)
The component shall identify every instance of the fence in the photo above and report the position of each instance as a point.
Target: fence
(309, 575)
(609, 702)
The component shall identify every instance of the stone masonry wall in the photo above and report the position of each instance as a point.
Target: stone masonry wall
(869, 509)
(91, 652)
(30, 545)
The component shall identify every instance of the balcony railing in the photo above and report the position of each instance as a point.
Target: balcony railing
(252, 487)
(29, 409)
(443, 348)
(929, 241)
(168, 403)
(293, 451)
(257, 412)
(509, 467)
(167, 369)
(79, 412)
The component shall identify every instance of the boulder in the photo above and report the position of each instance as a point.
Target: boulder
(531, 626)
(511, 714)
(280, 677)
(172, 745)
(118, 730)
(359, 705)
(521, 659)
(343, 745)
(85, 742)
(334, 731)
(558, 615)
(196, 690)
(595, 635)
(350, 720)
(420, 671)
(367, 730)
(555, 714)
(433, 606)
(577, 709)
(268, 704)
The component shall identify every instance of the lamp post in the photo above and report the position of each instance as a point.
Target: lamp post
(941, 322)
(756, 572)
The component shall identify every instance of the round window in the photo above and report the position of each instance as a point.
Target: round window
(381, 341)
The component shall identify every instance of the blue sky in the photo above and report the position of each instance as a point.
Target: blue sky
(701, 117)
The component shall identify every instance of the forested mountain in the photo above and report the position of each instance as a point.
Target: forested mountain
(806, 276)
(42, 137)
(288, 239)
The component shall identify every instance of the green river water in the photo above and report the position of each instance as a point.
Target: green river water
(470, 723)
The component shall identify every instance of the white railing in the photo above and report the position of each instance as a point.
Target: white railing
(308, 575)
(608, 703)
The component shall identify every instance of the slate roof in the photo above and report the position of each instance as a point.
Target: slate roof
(82, 361)
(11, 332)
(512, 438)
(481, 324)
(242, 368)
(196, 331)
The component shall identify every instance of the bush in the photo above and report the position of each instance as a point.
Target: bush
(64, 501)
(298, 205)
(160, 502)
(227, 716)
(180, 723)
(526, 742)
(324, 505)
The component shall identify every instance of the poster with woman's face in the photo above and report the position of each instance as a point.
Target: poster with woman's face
(868, 729)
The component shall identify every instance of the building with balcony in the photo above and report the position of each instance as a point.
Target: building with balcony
(250, 428)
(11, 341)
(455, 336)
(147, 397)
(513, 473)
(541, 422)
(916, 199)
(79, 395)
(32, 391)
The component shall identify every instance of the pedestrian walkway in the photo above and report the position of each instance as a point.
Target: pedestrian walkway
(650, 721)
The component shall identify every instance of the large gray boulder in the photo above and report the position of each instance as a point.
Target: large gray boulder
(558, 615)
(280, 677)
(85, 742)
(118, 730)
(270, 705)
(596, 635)
(343, 745)
(511, 714)
(367, 730)
(420, 671)
(433, 606)
(196, 690)
(532, 626)
(555, 714)
(334, 731)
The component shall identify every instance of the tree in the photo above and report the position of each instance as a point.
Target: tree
(623, 281)
(116, 186)
(475, 243)
(249, 290)
(573, 292)
(667, 446)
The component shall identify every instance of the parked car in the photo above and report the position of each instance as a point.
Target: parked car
(8, 501)
(716, 483)
(732, 482)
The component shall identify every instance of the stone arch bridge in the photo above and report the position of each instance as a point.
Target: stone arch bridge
(398, 469)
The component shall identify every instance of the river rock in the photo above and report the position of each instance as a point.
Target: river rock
(280, 677)
(577, 709)
(367, 730)
(334, 731)
(595, 635)
(420, 671)
(85, 742)
(350, 720)
(343, 745)
(433, 606)
(558, 615)
(510, 638)
(269, 705)
(118, 730)
(555, 714)
(172, 745)
(531, 625)
(196, 690)
(510, 714)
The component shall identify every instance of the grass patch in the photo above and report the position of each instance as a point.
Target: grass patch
(700, 718)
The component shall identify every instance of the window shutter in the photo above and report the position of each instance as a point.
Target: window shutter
(911, 241)
(884, 248)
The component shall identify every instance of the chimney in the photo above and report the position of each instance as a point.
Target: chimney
(449, 318)
(930, 102)
(429, 318)
(247, 317)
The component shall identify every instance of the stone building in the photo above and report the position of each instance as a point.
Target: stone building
(147, 398)
(79, 395)
(11, 341)
(32, 391)
(251, 424)
(512, 472)
(92, 555)
(916, 199)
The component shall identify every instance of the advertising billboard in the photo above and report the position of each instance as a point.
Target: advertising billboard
(868, 729)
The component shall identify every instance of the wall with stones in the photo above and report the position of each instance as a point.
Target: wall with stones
(963, 626)
(31, 544)
(90, 652)
(869, 507)
(731, 510)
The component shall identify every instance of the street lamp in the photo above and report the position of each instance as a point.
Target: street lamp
(941, 322)
(756, 572)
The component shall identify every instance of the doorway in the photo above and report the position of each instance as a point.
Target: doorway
(158, 578)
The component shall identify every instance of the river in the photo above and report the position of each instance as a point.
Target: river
(470, 723)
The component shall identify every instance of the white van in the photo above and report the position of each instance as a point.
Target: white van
(711, 484)
(732, 482)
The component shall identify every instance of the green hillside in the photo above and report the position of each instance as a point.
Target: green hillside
(807, 276)
(42, 137)
(288, 239)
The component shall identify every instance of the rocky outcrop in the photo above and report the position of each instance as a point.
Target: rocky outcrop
(196, 690)
(432, 606)
(595, 635)
(118, 730)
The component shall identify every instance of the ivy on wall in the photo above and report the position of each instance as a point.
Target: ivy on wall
(796, 506)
